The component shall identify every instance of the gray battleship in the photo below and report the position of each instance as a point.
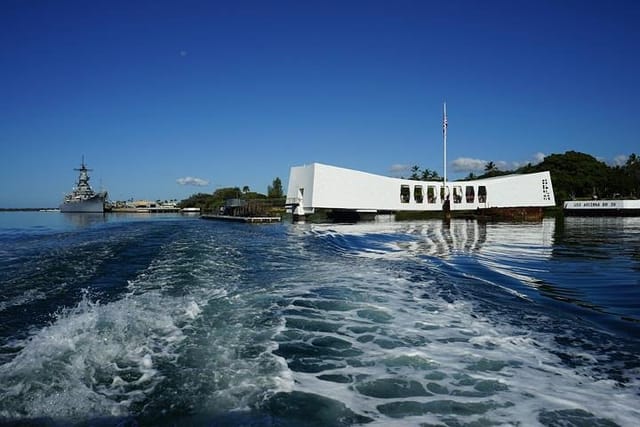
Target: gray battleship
(83, 198)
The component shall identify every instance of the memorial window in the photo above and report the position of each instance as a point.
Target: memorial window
(431, 194)
(457, 194)
(405, 193)
(418, 196)
(482, 194)
(470, 194)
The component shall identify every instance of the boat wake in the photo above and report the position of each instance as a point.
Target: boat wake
(379, 324)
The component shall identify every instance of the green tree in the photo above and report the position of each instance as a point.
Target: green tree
(576, 175)
(205, 202)
(429, 175)
(225, 193)
(619, 182)
(491, 169)
(470, 177)
(415, 169)
(632, 171)
(274, 191)
(423, 175)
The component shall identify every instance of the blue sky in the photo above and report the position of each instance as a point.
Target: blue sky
(160, 95)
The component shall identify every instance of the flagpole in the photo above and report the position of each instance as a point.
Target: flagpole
(444, 137)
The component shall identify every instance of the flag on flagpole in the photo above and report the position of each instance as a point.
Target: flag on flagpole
(444, 120)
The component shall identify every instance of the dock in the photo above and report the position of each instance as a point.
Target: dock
(160, 209)
(246, 219)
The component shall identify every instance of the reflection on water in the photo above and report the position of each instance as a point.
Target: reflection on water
(589, 263)
(446, 238)
(599, 258)
(84, 219)
(442, 239)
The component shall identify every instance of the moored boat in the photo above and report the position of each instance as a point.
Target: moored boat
(602, 208)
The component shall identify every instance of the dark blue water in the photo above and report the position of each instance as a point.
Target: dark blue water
(169, 320)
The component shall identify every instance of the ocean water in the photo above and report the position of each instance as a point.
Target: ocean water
(170, 320)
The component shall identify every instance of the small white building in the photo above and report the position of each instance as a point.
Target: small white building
(319, 186)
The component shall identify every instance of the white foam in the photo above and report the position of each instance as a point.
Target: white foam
(458, 342)
(193, 315)
(193, 310)
(100, 359)
(70, 368)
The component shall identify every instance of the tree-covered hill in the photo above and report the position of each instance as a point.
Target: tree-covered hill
(578, 175)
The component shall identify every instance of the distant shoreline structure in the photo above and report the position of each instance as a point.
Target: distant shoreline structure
(602, 208)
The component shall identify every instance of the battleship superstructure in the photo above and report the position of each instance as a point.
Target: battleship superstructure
(83, 198)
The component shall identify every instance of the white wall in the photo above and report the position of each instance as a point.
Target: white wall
(332, 187)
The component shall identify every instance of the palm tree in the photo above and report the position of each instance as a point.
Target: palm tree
(414, 172)
(429, 175)
(490, 167)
